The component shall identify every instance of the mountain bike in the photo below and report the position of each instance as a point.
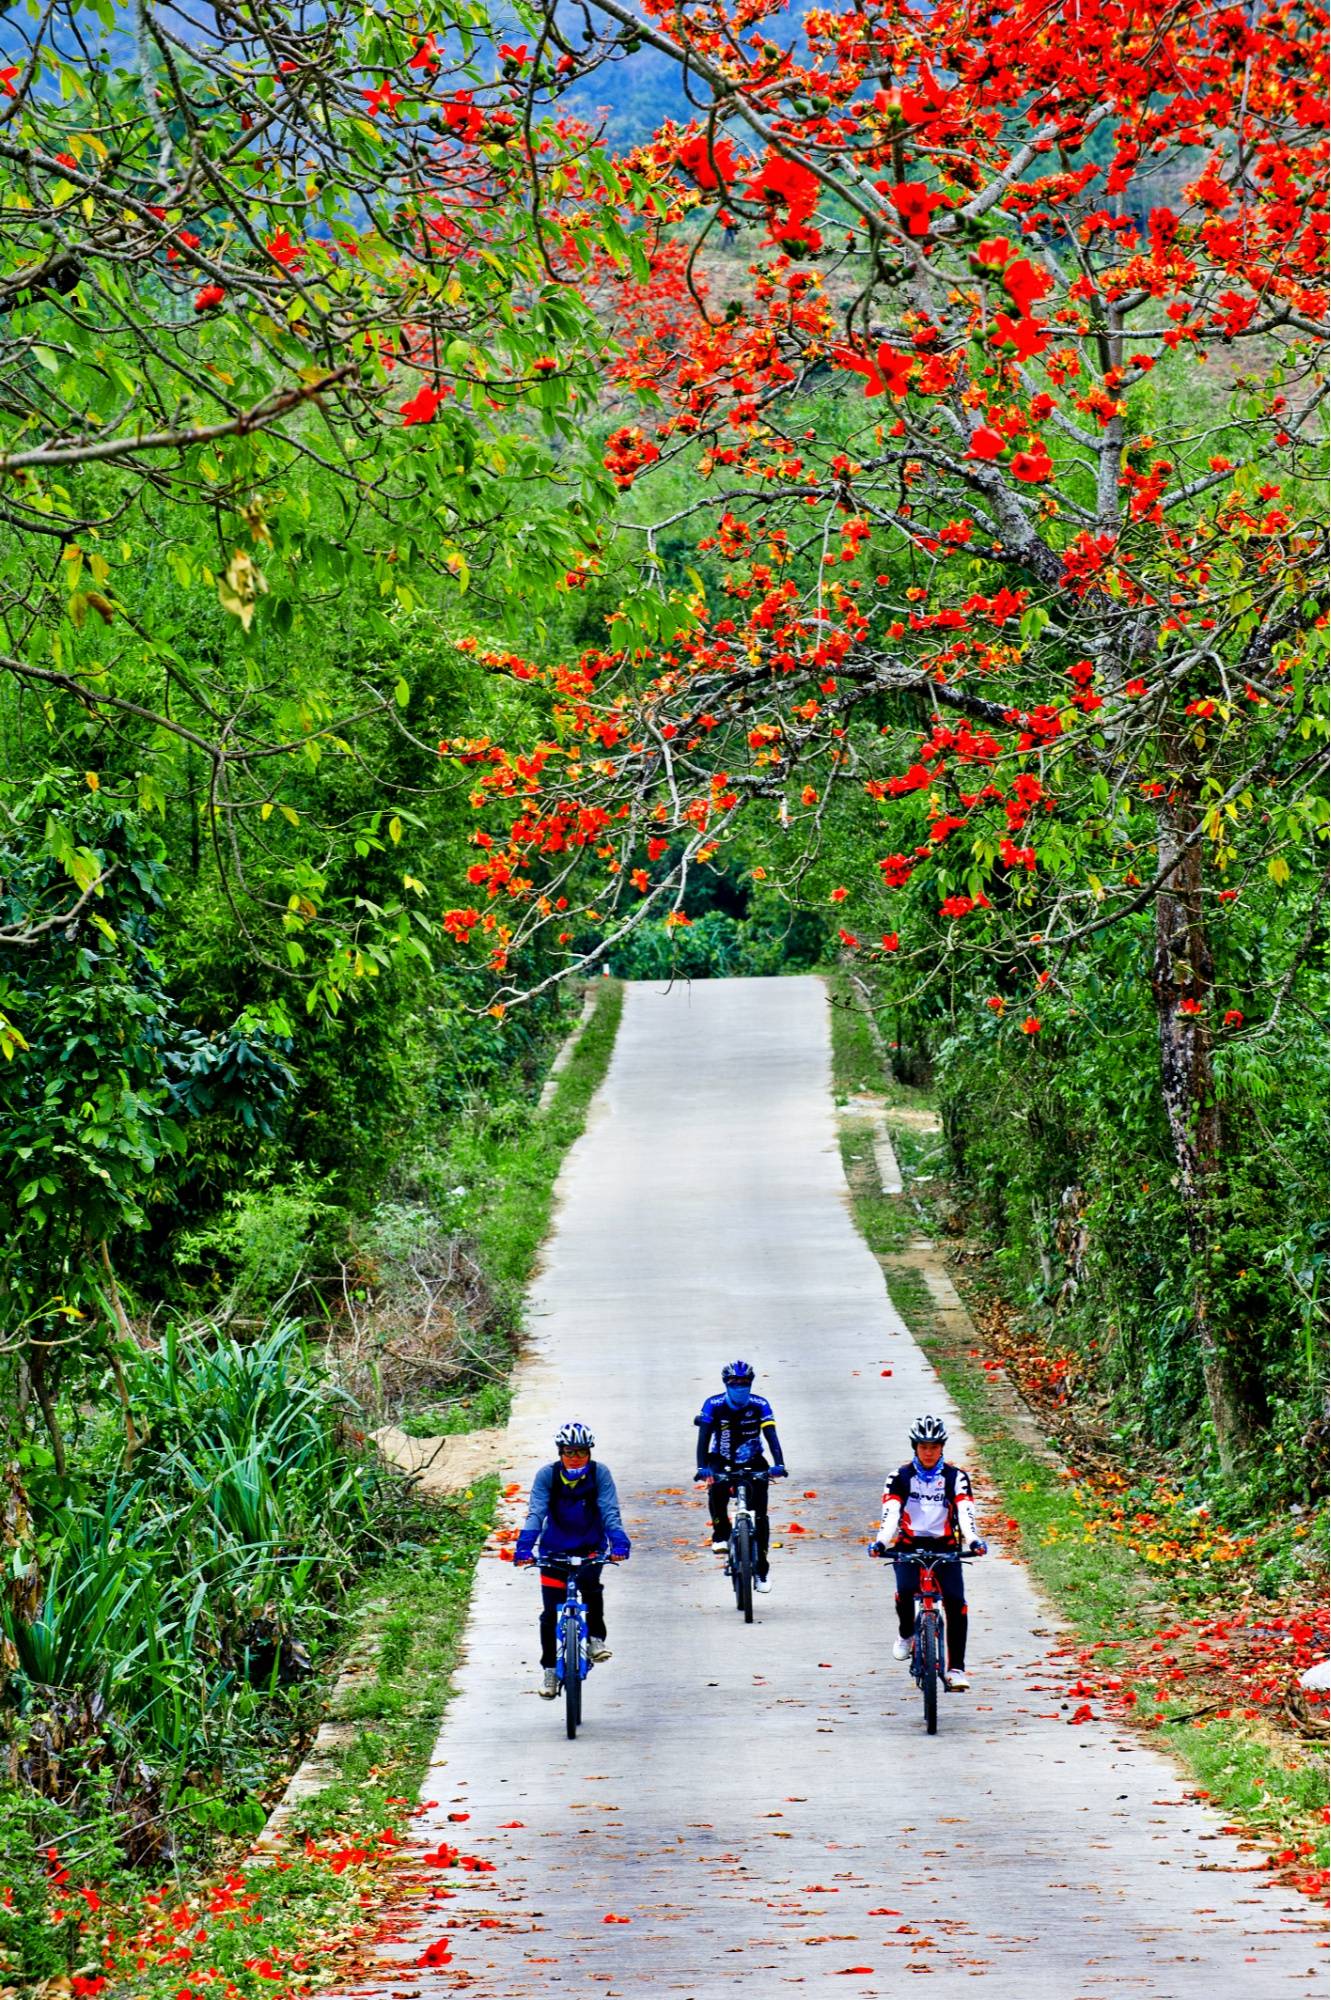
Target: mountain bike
(928, 1651)
(573, 1659)
(742, 1554)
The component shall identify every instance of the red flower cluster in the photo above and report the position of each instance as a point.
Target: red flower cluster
(627, 450)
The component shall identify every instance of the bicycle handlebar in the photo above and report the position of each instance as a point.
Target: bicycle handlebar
(900, 1550)
(561, 1561)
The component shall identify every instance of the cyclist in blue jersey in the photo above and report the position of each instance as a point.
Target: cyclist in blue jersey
(574, 1511)
(733, 1429)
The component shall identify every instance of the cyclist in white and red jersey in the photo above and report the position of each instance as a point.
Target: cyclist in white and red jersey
(927, 1507)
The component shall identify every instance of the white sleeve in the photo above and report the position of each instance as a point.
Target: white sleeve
(966, 1518)
(891, 1518)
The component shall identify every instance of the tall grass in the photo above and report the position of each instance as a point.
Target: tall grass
(204, 1586)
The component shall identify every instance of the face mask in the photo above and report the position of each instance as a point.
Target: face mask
(737, 1395)
(928, 1471)
(574, 1471)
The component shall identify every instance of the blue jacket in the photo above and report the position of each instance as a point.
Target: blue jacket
(736, 1437)
(572, 1516)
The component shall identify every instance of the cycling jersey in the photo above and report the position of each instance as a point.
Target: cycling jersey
(572, 1516)
(727, 1436)
(932, 1506)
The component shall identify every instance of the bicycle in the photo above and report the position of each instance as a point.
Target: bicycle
(742, 1553)
(573, 1659)
(928, 1650)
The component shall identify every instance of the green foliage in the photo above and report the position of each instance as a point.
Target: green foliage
(182, 1606)
(1060, 1146)
(486, 1409)
(264, 1236)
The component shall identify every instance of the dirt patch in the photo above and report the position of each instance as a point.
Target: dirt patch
(445, 1464)
(913, 1116)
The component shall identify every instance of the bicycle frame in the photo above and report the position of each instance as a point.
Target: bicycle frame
(572, 1637)
(929, 1603)
(738, 1482)
(566, 1569)
(742, 1555)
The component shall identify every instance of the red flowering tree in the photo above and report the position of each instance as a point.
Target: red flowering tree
(1005, 462)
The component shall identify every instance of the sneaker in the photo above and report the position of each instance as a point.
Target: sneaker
(599, 1650)
(720, 1548)
(901, 1649)
(763, 1583)
(958, 1681)
(549, 1687)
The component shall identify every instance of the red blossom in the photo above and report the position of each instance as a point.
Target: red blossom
(421, 407)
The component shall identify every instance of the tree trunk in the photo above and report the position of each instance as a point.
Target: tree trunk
(41, 1389)
(1182, 978)
(126, 1332)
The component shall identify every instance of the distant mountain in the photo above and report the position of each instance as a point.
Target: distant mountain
(629, 97)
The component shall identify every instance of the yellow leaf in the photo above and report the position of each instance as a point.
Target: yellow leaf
(1278, 869)
(242, 585)
(395, 830)
(92, 781)
(266, 809)
(290, 814)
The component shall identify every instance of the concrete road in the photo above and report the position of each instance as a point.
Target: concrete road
(762, 1803)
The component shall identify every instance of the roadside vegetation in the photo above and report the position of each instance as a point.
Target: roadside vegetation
(178, 1602)
(1191, 1605)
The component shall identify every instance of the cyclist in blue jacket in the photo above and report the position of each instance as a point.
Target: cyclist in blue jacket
(573, 1510)
(733, 1429)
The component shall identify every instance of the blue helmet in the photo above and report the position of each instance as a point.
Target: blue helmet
(737, 1371)
(573, 1437)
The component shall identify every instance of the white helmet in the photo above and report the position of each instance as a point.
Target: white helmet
(573, 1437)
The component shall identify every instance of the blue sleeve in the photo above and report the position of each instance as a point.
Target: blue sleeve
(770, 1438)
(538, 1506)
(704, 1422)
(608, 1501)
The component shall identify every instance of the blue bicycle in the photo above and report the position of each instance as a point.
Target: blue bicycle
(573, 1657)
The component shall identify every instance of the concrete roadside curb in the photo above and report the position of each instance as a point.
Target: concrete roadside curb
(869, 1110)
(318, 1768)
(565, 1054)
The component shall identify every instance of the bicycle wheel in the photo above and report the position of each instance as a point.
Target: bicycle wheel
(572, 1677)
(744, 1570)
(927, 1641)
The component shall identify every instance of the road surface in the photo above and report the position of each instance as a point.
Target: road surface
(762, 1804)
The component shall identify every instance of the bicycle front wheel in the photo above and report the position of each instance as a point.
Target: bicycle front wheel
(744, 1570)
(572, 1677)
(930, 1659)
